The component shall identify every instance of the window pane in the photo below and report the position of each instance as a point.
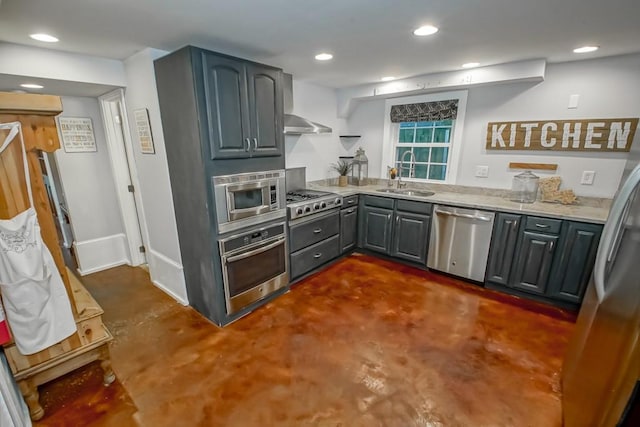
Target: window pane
(441, 135)
(439, 154)
(425, 124)
(443, 123)
(421, 171)
(406, 135)
(422, 154)
(424, 135)
(437, 172)
(400, 151)
(407, 124)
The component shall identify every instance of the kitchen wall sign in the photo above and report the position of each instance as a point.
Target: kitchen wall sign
(562, 135)
(77, 134)
(143, 127)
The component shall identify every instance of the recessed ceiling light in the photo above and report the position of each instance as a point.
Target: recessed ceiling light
(31, 86)
(425, 30)
(387, 78)
(324, 56)
(585, 49)
(470, 65)
(41, 37)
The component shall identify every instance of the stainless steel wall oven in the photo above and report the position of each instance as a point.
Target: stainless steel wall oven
(254, 265)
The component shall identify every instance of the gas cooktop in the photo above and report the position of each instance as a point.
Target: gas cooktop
(305, 202)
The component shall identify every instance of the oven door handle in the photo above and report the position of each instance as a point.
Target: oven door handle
(256, 251)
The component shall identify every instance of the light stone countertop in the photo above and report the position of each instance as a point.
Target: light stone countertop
(584, 213)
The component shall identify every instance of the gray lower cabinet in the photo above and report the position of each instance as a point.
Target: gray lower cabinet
(398, 228)
(348, 229)
(313, 242)
(314, 256)
(376, 229)
(503, 247)
(410, 236)
(533, 264)
(572, 268)
(547, 259)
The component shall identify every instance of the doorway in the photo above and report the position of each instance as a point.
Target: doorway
(114, 114)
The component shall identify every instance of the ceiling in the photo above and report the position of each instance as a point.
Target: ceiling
(369, 39)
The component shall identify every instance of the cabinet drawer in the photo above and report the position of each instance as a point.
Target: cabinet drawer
(308, 233)
(415, 207)
(543, 225)
(378, 202)
(350, 201)
(314, 256)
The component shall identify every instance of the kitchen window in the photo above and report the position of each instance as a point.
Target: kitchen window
(430, 128)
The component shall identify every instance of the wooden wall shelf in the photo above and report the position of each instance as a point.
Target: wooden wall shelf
(534, 166)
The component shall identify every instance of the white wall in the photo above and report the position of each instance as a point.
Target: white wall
(317, 152)
(58, 65)
(88, 185)
(608, 87)
(163, 254)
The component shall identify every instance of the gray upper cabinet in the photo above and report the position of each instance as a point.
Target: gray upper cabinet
(376, 229)
(348, 228)
(266, 110)
(410, 236)
(503, 246)
(533, 265)
(225, 93)
(244, 108)
(574, 262)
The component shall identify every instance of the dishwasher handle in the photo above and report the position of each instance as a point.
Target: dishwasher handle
(461, 215)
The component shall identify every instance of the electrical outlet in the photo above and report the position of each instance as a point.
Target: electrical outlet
(573, 101)
(482, 171)
(588, 177)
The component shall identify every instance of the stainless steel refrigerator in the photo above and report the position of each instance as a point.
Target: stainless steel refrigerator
(602, 367)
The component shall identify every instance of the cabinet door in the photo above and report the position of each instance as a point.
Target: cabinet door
(410, 236)
(348, 228)
(503, 246)
(574, 261)
(533, 264)
(376, 229)
(265, 110)
(226, 98)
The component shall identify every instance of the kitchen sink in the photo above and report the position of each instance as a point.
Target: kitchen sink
(407, 192)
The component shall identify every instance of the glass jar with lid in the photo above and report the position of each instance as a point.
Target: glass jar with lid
(525, 187)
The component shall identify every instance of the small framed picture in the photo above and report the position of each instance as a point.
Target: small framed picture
(77, 134)
(145, 136)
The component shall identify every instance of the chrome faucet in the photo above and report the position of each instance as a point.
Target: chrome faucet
(412, 161)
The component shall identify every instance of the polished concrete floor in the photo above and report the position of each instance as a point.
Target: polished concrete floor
(364, 343)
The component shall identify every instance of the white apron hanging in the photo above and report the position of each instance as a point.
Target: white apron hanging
(35, 299)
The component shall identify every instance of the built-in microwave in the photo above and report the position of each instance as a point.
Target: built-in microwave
(247, 199)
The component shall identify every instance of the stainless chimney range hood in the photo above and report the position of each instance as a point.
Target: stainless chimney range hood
(296, 125)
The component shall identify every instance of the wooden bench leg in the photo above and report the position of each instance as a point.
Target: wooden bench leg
(30, 392)
(105, 363)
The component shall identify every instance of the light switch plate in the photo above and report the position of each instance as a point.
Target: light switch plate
(482, 171)
(588, 177)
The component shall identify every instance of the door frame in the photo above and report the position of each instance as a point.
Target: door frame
(125, 173)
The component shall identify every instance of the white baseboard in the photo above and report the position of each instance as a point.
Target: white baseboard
(102, 253)
(167, 275)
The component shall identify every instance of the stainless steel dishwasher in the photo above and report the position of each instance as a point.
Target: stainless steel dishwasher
(459, 242)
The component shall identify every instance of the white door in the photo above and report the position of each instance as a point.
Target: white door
(124, 172)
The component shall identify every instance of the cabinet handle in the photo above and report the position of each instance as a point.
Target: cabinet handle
(317, 230)
(350, 211)
(247, 144)
(318, 255)
(351, 201)
(542, 225)
(397, 219)
(551, 246)
(255, 144)
(514, 224)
